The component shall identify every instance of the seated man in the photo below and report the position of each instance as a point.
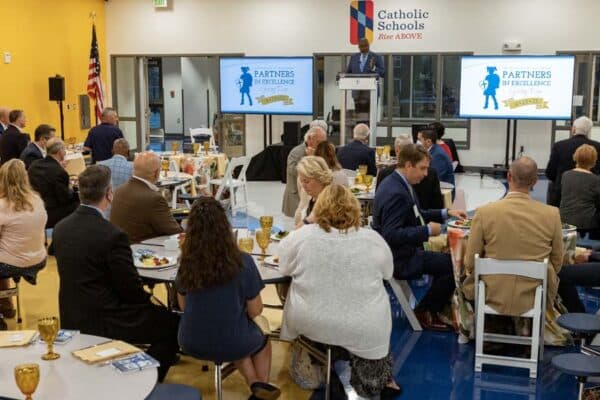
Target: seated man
(358, 152)
(428, 190)
(583, 273)
(49, 178)
(120, 167)
(515, 228)
(402, 223)
(100, 290)
(36, 150)
(139, 209)
(439, 159)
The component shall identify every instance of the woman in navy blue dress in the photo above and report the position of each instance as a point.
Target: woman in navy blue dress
(219, 293)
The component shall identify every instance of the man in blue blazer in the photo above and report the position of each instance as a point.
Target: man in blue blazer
(405, 227)
(358, 152)
(364, 62)
(36, 150)
(439, 159)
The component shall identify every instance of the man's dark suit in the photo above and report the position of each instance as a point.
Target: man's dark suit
(561, 160)
(428, 190)
(101, 292)
(442, 164)
(30, 154)
(357, 153)
(395, 219)
(362, 97)
(51, 181)
(12, 143)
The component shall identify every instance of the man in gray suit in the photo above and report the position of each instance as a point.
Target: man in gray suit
(315, 135)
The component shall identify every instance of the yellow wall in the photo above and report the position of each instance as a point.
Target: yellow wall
(46, 38)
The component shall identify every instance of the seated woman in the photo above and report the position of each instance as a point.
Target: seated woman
(337, 295)
(219, 293)
(22, 221)
(580, 193)
(313, 175)
(326, 151)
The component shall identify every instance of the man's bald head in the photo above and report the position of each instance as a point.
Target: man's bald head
(121, 147)
(522, 174)
(4, 111)
(147, 166)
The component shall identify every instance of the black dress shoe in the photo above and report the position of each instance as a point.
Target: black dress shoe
(390, 393)
(3, 325)
(265, 391)
(430, 321)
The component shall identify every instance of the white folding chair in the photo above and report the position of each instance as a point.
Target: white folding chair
(529, 269)
(202, 132)
(446, 185)
(454, 165)
(350, 174)
(460, 200)
(234, 185)
(404, 294)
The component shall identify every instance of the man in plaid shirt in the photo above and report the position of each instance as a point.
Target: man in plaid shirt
(120, 168)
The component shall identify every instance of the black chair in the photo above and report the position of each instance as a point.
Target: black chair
(172, 391)
(579, 365)
(16, 278)
(581, 324)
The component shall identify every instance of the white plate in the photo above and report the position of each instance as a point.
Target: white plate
(270, 260)
(139, 264)
(453, 224)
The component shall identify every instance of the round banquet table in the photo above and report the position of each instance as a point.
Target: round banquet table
(69, 378)
(269, 275)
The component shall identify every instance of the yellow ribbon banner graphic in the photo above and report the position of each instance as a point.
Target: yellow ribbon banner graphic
(287, 100)
(538, 102)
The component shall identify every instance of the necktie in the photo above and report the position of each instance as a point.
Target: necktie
(363, 62)
(415, 206)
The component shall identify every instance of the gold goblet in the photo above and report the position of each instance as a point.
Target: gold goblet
(266, 222)
(174, 147)
(362, 169)
(246, 244)
(263, 238)
(48, 328)
(27, 377)
(379, 150)
(368, 181)
(164, 165)
(206, 145)
(386, 150)
(196, 148)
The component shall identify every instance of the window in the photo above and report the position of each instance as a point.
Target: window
(586, 91)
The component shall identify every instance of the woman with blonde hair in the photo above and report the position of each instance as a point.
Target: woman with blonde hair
(22, 221)
(580, 193)
(337, 295)
(313, 176)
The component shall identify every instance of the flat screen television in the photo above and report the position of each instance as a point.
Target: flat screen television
(517, 87)
(266, 85)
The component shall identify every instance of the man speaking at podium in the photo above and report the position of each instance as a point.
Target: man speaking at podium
(365, 62)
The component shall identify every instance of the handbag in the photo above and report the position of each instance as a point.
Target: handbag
(307, 374)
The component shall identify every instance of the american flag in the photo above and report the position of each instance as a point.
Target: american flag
(94, 87)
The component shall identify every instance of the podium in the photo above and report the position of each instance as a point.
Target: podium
(351, 82)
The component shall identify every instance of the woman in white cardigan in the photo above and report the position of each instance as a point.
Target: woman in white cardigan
(337, 295)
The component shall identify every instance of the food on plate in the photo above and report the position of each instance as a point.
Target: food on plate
(152, 261)
(276, 259)
(355, 190)
(281, 234)
(466, 223)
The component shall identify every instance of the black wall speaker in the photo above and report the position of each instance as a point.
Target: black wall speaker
(56, 88)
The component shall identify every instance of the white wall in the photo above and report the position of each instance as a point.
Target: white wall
(199, 74)
(290, 27)
(171, 69)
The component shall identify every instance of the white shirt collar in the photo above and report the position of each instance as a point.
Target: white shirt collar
(43, 151)
(148, 183)
(3, 125)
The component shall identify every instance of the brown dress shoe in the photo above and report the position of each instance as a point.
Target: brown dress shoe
(431, 322)
(7, 311)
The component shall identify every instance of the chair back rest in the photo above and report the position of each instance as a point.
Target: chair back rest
(446, 185)
(460, 201)
(527, 269)
(454, 165)
(233, 164)
(202, 132)
(349, 173)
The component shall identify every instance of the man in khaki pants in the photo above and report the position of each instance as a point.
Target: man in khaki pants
(515, 228)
